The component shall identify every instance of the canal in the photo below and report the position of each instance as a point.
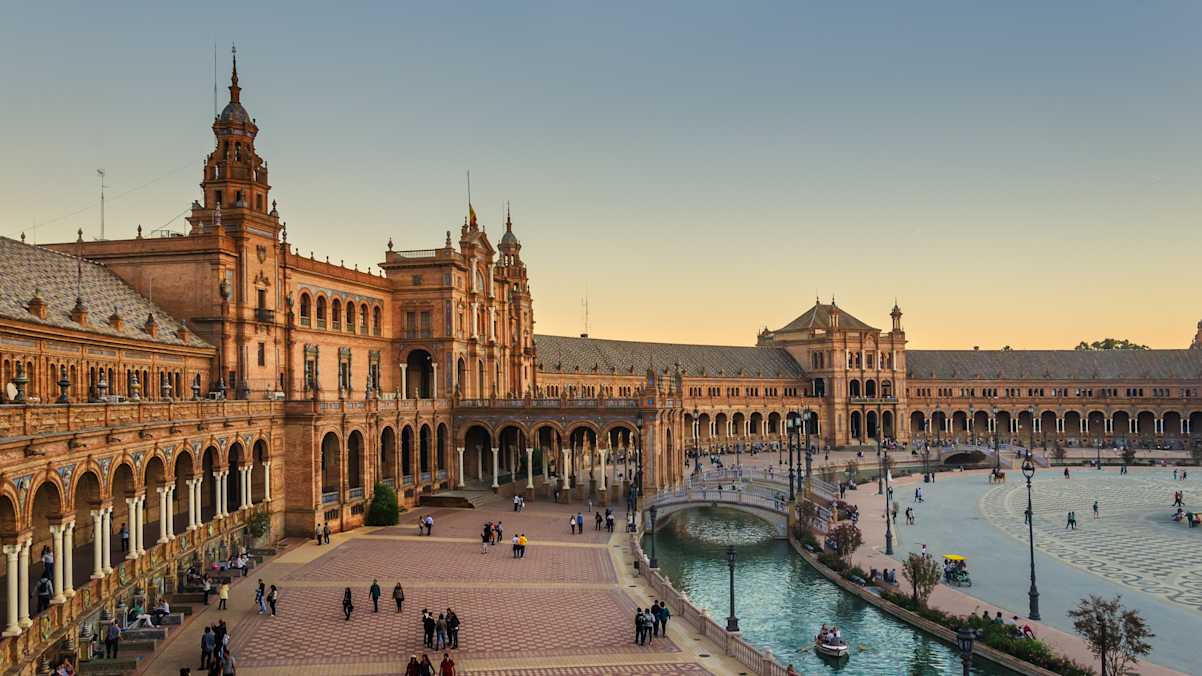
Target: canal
(781, 601)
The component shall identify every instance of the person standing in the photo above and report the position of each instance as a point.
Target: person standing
(206, 586)
(1095, 510)
(429, 525)
(440, 632)
(229, 666)
(579, 523)
(45, 593)
(272, 597)
(261, 597)
(112, 636)
(497, 532)
(398, 595)
(325, 532)
(609, 520)
(317, 534)
(572, 523)
(347, 604)
(428, 624)
(514, 541)
(453, 628)
(517, 502)
(223, 595)
(597, 520)
(124, 535)
(426, 665)
(522, 546)
(447, 666)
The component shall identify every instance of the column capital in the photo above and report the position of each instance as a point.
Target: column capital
(57, 528)
(13, 550)
(161, 490)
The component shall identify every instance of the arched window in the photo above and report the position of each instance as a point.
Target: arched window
(305, 309)
(336, 314)
(363, 319)
(375, 321)
(350, 317)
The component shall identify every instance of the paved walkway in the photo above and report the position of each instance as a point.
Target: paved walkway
(567, 607)
(949, 522)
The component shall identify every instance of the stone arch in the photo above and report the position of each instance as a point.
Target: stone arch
(1004, 420)
(1072, 425)
(306, 308)
(1172, 425)
(1047, 427)
(856, 427)
(234, 462)
(424, 450)
(46, 504)
(336, 314)
(440, 447)
(330, 470)
(721, 428)
(703, 429)
(461, 377)
(959, 423)
(511, 444)
(354, 459)
(739, 422)
(870, 388)
(210, 462)
(407, 452)
(757, 423)
(887, 425)
(477, 442)
(918, 423)
(388, 454)
(10, 520)
(980, 424)
(154, 477)
(260, 453)
(419, 373)
(887, 389)
(853, 388)
(872, 425)
(774, 423)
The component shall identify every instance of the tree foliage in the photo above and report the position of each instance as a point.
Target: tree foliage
(384, 510)
(922, 572)
(1115, 635)
(847, 539)
(1110, 344)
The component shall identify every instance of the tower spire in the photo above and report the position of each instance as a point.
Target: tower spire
(235, 90)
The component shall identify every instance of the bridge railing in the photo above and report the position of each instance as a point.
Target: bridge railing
(677, 496)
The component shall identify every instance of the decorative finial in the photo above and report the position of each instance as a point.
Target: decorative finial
(390, 244)
(235, 90)
(22, 237)
(80, 238)
(448, 244)
(508, 222)
(139, 232)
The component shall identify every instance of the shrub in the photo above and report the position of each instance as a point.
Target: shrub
(832, 561)
(847, 540)
(383, 509)
(259, 524)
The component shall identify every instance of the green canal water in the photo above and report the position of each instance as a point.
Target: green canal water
(781, 601)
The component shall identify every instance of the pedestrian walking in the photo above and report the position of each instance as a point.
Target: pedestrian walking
(572, 523)
(347, 603)
(229, 666)
(598, 521)
(655, 618)
(374, 593)
(522, 545)
(609, 521)
(272, 597)
(413, 668)
(325, 532)
(223, 595)
(45, 593)
(426, 665)
(398, 595)
(664, 616)
(208, 641)
(590, 504)
(447, 666)
(1095, 510)
(429, 525)
(517, 502)
(514, 541)
(317, 534)
(579, 523)
(498, 533)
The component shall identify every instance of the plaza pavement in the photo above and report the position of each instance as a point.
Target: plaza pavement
(566, 608)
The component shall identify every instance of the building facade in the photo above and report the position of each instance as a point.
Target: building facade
(175, 388)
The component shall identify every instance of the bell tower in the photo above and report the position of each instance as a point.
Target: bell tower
(234, 183)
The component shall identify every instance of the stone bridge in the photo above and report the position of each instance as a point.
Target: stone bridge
(770, 508)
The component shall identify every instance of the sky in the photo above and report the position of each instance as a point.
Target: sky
(1021, 173)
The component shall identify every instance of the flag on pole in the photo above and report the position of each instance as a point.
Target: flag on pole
(471, 215)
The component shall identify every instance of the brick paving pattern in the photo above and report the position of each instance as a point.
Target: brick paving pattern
(543, 523)
(359, 561)
(505, 623)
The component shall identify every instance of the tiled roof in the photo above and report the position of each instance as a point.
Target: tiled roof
(1054, 364)
(26, 269)
(819, 317)
(563, 354)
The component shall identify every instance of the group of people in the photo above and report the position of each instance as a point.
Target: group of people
(576, 523)
(266, 599)
(1016, 630)
(1180, 476)
(426, 523)
(519, 503)
(441, 632)
(606, 521)
(888, 576)
(651, 622)
(215, 655)
(830, 635)
(424, 667)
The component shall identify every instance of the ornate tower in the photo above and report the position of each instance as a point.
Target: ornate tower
(896, 314)
(1197, 344)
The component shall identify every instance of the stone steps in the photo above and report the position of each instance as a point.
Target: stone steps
(104, 667)
(145, 634)
(141, 646)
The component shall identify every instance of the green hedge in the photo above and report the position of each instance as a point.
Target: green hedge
(995, 636)
(383, 510)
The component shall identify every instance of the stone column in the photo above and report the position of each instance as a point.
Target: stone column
(97, 544)
(56, 534)
(171, 512)
(404, 381)
(69, 559)
(529, 470)
(266, 481)
(434, 380)
(141, 525)
(495, 451)
(12, 627)
(566, 469)
(603, 452)
(107, 537)
(23, 585)
(219, 478)
(192, 504)
(248, 500)
(459, 450)
(479, 462)
(162, 491)
(132, 505)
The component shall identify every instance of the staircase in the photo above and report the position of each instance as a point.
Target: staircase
(458, 499)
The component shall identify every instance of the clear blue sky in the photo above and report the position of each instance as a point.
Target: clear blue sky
(1018, 173)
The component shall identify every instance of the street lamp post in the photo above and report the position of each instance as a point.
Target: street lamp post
(805, 424)
(732, 622)
(654, 513)
(1033, 594)
(791, 430)
(965, 636)
(888, 520)
(1031, 444)
(997, 457)
(638, 423)
(696, 441)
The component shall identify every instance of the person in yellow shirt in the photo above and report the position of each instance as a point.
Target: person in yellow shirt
(522, 546)
(223, 595)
